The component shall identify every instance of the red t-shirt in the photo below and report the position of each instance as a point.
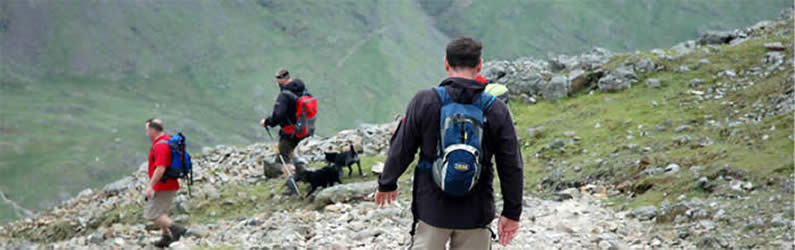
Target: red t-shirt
(160, 155)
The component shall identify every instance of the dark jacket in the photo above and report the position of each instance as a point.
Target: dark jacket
(285, 108)
(420, 129)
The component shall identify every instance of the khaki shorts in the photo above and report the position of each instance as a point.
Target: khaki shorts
(430, 237)
(159, 204)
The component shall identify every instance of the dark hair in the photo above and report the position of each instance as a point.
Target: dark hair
(463, 52)
(155, 124)
(282, 74)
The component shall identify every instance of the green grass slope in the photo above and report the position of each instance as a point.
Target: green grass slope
(75, 93)
(539, 27)
(612, 148)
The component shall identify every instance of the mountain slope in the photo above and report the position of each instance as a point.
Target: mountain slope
(78, 77)
(75, 91)
(540, 27)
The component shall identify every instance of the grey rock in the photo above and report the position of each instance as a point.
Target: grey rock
(682, 140)
(695, 82)
(644, 213)
(271, 167)
(577, 80)
(120, 186)
(780, 222)
(368, 233)
(645, 65)
(556, 88)
(684, 68)
(717, 37)
(672, 169)
(345, 192)
(775, 46)
(211, 193)
(611, 83)
(755, 223)
(653, 83)
(707, 225)
(683, 128)
(532, 132)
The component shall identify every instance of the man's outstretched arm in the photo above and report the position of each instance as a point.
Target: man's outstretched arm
(502, 137)
(402, 148)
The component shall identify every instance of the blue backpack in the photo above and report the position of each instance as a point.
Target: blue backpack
(457, 167)
(181, 166)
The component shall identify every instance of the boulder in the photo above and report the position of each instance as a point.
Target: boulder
(612, 83)
(645, 65)
(644, 213)
(344, 193)
(120, 186)
(717, 37)
(578, 79)
(556, 88)
(271, 167)
(653, 83)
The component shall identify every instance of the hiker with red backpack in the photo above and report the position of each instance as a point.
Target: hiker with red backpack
(294, 112)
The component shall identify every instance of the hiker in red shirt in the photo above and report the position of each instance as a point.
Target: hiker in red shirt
(160, 193)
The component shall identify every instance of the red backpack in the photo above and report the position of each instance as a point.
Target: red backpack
(306, 109)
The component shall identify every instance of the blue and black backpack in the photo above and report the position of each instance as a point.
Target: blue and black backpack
(181, 166)
(457, 167)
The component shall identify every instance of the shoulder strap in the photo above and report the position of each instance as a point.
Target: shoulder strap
(485, 101)
(290, 94)
(162, 142)
(444, 96)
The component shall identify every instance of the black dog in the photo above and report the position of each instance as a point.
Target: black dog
(345, 159)
(325, 177)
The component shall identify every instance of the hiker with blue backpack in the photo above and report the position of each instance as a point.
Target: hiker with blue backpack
(459, 129)
(294, 112)
(168, 162)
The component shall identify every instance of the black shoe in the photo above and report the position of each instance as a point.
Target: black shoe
(288, 192)
(177, 231)
(164, 242)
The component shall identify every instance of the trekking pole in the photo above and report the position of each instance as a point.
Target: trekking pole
(269, 132)
(264, 166)
(290, 180)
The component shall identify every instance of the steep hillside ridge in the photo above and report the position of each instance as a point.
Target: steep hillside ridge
(77, 78)
(570, 26)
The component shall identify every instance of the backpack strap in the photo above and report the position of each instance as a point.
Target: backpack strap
(444, 96)
(485, 101)
(291, 94)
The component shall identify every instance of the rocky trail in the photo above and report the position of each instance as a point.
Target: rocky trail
(340, 217)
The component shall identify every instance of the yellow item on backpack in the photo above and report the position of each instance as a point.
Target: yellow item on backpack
(496, 89)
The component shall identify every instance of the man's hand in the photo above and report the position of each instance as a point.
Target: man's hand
(507, 229)
(382, 198)
(263, 122)
(150, 192)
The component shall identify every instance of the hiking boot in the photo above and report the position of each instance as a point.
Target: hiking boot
(288, 189)
(288, 192)
(164, 242)
(177, 231)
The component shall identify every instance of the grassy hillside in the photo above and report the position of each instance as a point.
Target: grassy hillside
(615, 139)
(74, 94)
(77, 78)
(539, 27)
